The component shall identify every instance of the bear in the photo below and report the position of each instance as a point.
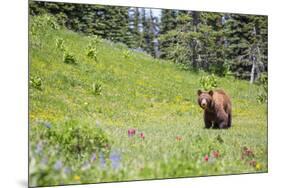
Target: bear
(217, 108)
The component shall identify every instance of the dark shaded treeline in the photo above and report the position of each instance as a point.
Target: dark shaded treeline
(221, 43)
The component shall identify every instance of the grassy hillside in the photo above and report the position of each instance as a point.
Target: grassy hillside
(80, 114)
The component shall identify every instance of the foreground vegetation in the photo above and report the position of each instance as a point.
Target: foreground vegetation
(100, 112)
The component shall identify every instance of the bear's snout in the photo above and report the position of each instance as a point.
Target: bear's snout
(204, 103)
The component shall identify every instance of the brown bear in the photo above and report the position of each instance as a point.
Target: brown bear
(217, 108)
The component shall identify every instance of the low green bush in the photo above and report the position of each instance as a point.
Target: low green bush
(72, 138)
(69, 58)
(57, 150)
(126, 54)
(97, 88)
(36, 82)
(208, 82)
(92, 53)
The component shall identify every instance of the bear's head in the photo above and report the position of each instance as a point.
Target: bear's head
(205, 98)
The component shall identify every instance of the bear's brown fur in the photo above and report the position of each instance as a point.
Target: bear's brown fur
(217, 108)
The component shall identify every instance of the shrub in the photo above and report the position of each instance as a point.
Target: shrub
(72, 138)
(208, 82)
(92, 53)
(97, 88)
(57, 150)
(69, 58)
(126, 54)
(36, 82)
(80, 139)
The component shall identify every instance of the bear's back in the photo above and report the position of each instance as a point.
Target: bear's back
(222, 99)
(220, 91)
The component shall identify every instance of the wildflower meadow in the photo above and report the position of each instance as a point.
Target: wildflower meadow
(102, 112)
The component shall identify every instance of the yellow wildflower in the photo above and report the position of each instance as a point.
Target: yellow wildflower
(77, 178)
(258, 166)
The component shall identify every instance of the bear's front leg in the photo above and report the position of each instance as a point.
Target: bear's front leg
(207, 120)
(216, 125)
(208, 124)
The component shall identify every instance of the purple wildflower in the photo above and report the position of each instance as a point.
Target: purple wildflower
(102, 160)
(58, 165)
(115, 159)
(67, 170)
(94, 157)
(39, 148)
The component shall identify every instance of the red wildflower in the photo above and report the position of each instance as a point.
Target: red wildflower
(142, 135)
(178, 138)
(206, 158)
(131, 132)
(216, 154)
(247, 152)
(253, 163)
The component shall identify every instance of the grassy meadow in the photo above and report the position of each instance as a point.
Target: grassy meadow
(124, 115)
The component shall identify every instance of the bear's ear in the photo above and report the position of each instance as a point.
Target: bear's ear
(199, 92)
(211, 92)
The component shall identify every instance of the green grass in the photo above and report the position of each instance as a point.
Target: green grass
(155, 97)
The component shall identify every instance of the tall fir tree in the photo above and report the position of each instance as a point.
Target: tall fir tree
(150, 31)
(168, 23)
(247, 45)
(134, 22)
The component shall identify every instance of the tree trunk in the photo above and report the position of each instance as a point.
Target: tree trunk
(256, 58)
(154, 31)
(195, 21)
(253, 72)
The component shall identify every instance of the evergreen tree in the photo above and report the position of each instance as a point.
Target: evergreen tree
(218, 43)
(116, 24)
(168, 23)
(215, 42)
(150, 31)
(89, 19)
(212, 49)
(168, 20)
(134, 26)
(247, 45)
